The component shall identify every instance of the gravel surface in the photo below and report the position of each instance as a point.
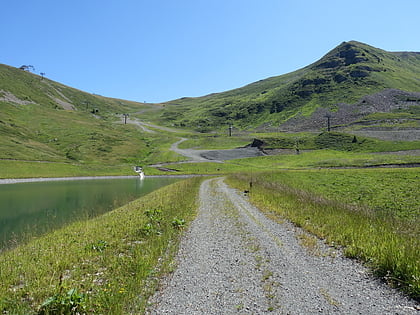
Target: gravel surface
(349, 115)
(391, 135)
(194, 155)
(239, 153)
(215, 155)
(234, 260)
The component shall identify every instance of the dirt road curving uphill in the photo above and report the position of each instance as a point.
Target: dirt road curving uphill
(199, 155)
(235, 260)
(193, 155)
(215, 155)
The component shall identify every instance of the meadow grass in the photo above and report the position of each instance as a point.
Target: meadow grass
(387, 191)
(203, 168)
(310, 159)
(323, 158)
(111, 262)
(326, 203)
(307, 159)
(33, 132)
(33, 169)
(74, 143)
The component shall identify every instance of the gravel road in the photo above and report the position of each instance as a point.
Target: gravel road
(194, 155)
(234, 260)
(215, 155)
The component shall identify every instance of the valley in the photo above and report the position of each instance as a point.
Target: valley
(329, 154)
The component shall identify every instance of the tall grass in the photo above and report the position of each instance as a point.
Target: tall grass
(112, 260)
(388, 244)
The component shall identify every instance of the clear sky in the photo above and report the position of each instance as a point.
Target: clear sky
(159, 50)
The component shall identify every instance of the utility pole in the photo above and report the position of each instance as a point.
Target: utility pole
(230, 130)
(328, 115)
(297, 146)
(125, 118)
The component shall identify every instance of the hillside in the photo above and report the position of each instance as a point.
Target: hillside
(42, 120)
(24, 87)
(363, 89)
(347, 73)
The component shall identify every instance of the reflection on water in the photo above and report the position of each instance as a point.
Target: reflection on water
(30, 209)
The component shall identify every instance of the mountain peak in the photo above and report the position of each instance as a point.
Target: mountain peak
(345, 54)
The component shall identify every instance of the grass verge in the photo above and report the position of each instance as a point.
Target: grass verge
(107, 265)
(387, 243)
(32, 169)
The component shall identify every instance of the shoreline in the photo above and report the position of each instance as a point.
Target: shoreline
(6, 181)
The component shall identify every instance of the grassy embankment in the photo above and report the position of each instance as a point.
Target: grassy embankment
(106, 265)
(373, 214)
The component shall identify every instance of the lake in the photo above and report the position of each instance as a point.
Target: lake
(31, 209)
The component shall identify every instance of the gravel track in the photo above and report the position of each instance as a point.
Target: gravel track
(215, 155)
(234, 260)
(194, 155)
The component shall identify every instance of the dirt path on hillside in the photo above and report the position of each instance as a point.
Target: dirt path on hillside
(235, 260)
(145, 126)
(137, 123)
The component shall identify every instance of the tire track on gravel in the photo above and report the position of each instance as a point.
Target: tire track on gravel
(234, 260)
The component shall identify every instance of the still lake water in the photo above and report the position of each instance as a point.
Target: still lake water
(30, 209)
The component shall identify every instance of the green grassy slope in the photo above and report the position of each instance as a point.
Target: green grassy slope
(31, 88)
(42, 120)
(344, 75)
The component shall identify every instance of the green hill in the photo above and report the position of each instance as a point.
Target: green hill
(344, 75)
(30, 88)
(363, 89)
(42, 120)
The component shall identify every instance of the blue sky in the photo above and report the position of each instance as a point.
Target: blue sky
(159, 50)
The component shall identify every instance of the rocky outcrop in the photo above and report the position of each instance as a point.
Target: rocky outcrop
(385, 101)
(344, 55)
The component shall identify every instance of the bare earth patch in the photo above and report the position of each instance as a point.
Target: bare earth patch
(9, 97)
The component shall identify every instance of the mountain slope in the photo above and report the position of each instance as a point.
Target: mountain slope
(344, 75)
(42, 120)
(19, 86)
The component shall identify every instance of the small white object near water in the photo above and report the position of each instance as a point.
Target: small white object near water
(139, 170)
